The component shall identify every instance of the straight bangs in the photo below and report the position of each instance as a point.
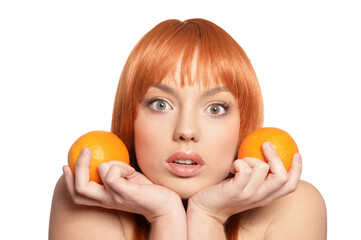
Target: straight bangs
(171, 48)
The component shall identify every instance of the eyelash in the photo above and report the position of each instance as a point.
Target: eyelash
(221, 104)
(153, 100)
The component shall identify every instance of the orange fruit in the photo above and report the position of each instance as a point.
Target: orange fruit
(284, 144)
(105, 146)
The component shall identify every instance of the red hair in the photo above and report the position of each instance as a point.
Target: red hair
(219, 59)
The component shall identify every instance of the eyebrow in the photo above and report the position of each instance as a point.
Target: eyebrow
(164, 88)
(214, 91)
(210, 92)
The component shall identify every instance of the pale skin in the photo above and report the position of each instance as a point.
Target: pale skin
(190, 118)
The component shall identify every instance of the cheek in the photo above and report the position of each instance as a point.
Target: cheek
(222, 148)
(224, 138)
(149, 136)
(143, 133)
(230, 138)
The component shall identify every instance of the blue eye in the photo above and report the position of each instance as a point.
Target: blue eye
(158, 104)
(161, 105)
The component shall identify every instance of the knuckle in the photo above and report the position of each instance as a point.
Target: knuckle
(80, 189)
(293, 187)
(101, 167)
(104, 166)
(118, 200)
(265, 201)
(77, 200)
(79, 163)
(258, 198)
(245, 169)
(264, 166)
(110, 180)
(249, 159)
(102, 170)
(238, 163)
(283, 178)
(234, 196)
(247, 196)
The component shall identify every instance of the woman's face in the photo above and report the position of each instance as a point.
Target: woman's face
(186, 137)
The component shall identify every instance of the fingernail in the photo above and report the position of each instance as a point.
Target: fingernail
(84, 151)
(269, 145)
(65, 171)
(298, 157)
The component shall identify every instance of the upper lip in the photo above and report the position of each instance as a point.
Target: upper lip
(189, 155)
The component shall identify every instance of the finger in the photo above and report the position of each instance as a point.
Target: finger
(291, 185)
(243, 173)
(275, 164)
(82, 184)
(295, 172)
(278, 175)
(69, 180)
(82, 168)
(103, 168)
(114, 173)
(275, 188)
(114, 179)
(139, 178)
(119, 185)
(77, 198)
(260, 171)
(111, 173)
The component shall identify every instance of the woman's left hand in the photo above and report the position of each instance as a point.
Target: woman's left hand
(254, 184)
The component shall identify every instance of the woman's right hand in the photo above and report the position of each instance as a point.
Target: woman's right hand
(123, 189)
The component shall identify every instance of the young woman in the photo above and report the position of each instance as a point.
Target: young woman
(186, 98)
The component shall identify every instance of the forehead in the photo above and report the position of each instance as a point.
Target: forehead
(194, 90)
(176, 82)
(191, 74)
(190, 71)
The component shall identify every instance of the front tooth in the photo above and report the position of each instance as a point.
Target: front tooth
(184, 161)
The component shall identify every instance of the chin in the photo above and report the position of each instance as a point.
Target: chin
(185, 189)
(183, 192)
(184, 195)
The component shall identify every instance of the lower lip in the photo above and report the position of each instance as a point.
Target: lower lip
(183, 170)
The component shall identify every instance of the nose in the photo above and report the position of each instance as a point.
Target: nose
(186, 128)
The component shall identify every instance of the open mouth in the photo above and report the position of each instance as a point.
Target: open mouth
(185, 162)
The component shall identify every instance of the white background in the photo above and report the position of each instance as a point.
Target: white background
(59, 67)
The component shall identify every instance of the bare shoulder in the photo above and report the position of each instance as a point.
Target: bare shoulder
(299, 215)
(71, 221)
